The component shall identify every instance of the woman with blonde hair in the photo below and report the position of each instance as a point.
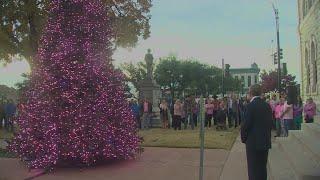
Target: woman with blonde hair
(209, 113)
(177, 113)
(164, 114)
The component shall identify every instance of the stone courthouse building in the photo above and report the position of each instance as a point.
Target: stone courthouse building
(309, 36)
(248, 76)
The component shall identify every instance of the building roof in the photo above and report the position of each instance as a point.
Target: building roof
(244, 70)
(253, 69)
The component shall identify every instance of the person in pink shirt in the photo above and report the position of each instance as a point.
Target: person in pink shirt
(287, 116)
(273, 102)
(209, 113)
(146, 114)
(310, 110)
(277, 113)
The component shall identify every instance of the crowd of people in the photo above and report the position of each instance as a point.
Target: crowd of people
(220, 113)
(224, 113)
(184, 113)
(7, 112)
(288, 115)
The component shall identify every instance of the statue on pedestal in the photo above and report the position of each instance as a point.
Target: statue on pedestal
(149, 61)
(150, 90)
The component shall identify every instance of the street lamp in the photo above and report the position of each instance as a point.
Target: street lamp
(276, 12)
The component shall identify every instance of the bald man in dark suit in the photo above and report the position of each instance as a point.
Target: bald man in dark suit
(256, 134)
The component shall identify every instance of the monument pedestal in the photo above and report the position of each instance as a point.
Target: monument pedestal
(150, 90)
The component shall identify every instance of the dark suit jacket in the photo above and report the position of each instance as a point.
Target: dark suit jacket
(256, 129)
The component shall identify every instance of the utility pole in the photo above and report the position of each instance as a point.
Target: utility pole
(276, 12)
(223, 74)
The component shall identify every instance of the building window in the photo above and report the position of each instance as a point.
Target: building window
(255, 79)
(310, 2)
(242, 79)
(307, 66)
(249, 81)
(313, 61)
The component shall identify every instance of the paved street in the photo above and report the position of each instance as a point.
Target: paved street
(155, 164)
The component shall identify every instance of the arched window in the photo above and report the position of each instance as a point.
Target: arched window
(307, 66)
(304, 9)
(313, 61)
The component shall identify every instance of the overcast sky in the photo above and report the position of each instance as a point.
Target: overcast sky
(240, 31)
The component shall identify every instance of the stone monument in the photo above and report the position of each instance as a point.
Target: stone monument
(150, 90)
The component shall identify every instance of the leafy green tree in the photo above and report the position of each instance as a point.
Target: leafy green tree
(232, 84)
(168, 74)
(22, 87)
(178, 75)
(22, 21)
(134, 72)
(200, 78)
(189, 76)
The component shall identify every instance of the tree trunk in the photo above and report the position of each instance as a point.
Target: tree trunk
(33, 39)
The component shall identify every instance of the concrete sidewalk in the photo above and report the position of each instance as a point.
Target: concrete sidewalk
(155, 164)
(236, 164)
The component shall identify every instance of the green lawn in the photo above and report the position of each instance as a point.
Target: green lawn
(173, 139)
(5, 134)
(188, 138)
(6, 154)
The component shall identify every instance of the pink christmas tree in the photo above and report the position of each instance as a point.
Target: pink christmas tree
(75, 110)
